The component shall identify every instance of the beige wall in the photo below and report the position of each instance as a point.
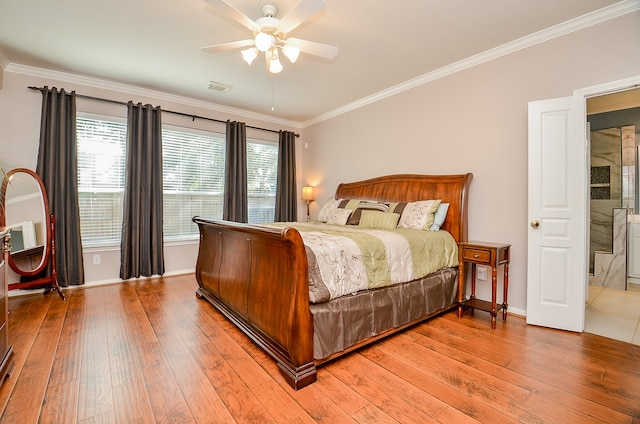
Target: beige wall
(473, 121)
(20, 127)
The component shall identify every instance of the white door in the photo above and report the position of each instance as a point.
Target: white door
(558, 214)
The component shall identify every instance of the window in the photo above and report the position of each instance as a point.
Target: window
(262, 174)
(193, 168)
(101, 156)
(193, 179)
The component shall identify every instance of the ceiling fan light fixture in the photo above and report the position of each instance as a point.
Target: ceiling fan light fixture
(291, 52)
(270, 35)
(273, 62)
(249, 55)
(264, 41)
(275, 67)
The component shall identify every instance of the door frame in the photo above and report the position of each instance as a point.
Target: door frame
(595, 91)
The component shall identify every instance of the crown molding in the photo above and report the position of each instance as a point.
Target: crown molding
(573, 25)
(611, 12)
(143, 92)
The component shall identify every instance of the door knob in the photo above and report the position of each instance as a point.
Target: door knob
(535, 223)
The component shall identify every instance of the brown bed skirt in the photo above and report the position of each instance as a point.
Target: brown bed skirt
(345, 321)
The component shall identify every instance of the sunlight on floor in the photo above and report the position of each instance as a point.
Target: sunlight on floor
(614, 313)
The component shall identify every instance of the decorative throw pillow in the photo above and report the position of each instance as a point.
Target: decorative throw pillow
(419, 215)
(395, 207)
(330, 205)
(339, 216)
(350, 203)
(354, 219)
(439, 217)
(379, 220)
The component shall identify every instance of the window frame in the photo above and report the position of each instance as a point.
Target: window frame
(270, 143)
(194, 237)
(186, 238)
(110, 242)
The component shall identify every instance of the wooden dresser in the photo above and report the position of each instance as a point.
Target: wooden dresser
(6, 352)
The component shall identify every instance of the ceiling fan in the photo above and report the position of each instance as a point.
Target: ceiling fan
(270, 34)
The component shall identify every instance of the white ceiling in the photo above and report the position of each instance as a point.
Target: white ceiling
(155, 44)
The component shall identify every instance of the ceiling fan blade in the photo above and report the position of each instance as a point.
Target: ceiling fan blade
(227, 46)
(224, 7)
(303, 11)
(313, 48)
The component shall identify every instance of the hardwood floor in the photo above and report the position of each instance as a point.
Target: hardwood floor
(150, 351)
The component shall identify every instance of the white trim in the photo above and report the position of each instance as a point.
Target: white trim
(516, 311)
(22, 292)
(602, 15)
(585, 93)
(576, 24)
(608, 87)
(24, 197)
(143, 92)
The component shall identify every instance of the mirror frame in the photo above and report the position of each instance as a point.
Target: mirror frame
(46, 252)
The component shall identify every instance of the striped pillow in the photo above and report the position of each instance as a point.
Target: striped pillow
(364, 205)
(379, 220)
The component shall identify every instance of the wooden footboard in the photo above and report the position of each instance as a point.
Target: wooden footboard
(257, 277)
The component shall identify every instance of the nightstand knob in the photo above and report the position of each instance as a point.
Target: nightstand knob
(535, 223)
(475, 255)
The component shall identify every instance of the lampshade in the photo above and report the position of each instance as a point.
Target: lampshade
(264, 41)
(249, 55)
(273, 61)
(291, 52)
(307, 193)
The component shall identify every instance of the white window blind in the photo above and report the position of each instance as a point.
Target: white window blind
(262, 174)
(193, 180)
(101, 156)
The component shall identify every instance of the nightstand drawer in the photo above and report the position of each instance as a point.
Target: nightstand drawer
(476, 255)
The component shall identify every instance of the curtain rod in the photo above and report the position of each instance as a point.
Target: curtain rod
(193, 117)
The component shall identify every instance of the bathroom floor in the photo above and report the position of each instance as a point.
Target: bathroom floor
(614, 313)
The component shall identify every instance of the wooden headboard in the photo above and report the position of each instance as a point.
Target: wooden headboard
(452, 189)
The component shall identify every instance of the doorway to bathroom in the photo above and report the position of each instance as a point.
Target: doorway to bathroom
(613, 298)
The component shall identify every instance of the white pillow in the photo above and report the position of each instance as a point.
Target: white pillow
(330, 205)
(339, 216)
(419, 215)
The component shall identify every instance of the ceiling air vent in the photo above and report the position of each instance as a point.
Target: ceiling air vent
(219, 87)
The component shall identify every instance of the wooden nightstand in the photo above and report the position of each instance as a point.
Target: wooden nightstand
(489, 254)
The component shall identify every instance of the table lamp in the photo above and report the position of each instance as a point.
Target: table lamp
(307, 195)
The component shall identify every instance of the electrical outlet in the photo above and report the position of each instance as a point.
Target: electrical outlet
(96, 259)
(481, 273)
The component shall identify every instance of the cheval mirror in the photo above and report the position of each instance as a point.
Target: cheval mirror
(25, 212)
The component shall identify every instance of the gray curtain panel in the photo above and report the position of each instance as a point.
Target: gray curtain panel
(141, 246)
(58, 167)
(286, 195)
(235, 206)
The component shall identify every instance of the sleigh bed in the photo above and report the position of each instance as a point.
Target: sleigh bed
(259, 277)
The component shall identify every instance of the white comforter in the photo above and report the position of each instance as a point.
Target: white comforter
(345, 259)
